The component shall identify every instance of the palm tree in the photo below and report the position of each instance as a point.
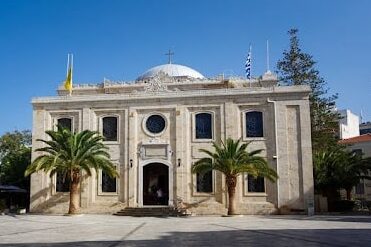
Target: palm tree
(231, 158)
(336, 168)
(353, 168)
(70, 154)
(326, 168)
(326, 174)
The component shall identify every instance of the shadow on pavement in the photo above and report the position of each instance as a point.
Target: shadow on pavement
(339, 218)
(277, 238)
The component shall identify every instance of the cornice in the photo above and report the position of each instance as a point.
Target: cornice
(276, 90)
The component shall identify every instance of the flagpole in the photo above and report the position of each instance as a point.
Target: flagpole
(268, 56)
(71, 67)
(250, 61)
(248, 65)
(68, 63)
(71, 74)
(68, 67)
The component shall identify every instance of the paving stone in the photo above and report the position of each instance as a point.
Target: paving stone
(108, 230)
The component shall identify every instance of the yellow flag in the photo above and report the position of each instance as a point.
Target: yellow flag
(68, 82)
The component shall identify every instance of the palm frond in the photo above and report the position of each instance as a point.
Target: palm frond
(231, 158)
(67, 151)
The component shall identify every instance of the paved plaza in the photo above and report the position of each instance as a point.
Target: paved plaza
(112, 231)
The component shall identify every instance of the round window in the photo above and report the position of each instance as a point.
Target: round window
(155, 124)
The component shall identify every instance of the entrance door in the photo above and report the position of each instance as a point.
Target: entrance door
(155, 184)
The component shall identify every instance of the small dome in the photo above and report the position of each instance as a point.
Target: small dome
(172, 70)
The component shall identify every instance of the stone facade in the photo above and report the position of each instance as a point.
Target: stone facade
(286, 142)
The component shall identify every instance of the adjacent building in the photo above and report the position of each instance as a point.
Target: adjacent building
(348, 124)
(365, 128)
(361, 145)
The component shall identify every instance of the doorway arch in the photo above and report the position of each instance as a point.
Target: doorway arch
(155, 183)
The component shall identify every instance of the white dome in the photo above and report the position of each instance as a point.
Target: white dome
(172, 70)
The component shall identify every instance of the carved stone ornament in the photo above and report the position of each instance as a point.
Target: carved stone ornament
(155, 148)
(156, 83)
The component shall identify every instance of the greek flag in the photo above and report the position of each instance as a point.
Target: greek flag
(248, 65)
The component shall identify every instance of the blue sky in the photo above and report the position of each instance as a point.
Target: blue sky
(119, 40)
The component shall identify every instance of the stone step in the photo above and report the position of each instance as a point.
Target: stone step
(149, 211)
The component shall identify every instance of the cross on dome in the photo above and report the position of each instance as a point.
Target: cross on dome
(170, 53)
(180, 72)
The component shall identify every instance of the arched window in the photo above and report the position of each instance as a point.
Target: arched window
(205, 182)
(109, 128)
(254, 124)
(255, 184)
(108, 184)
(204, 125)
(62, 182)
(65, 123)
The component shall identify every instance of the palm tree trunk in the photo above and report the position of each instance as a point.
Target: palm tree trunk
(231, 185)
(74, 194)
(332, 196)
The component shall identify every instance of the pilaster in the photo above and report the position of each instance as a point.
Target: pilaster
(132, 161)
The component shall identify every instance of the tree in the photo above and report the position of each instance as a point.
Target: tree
(326, 172)
(298, 68)
(70, 154)
(15, 156)
(352, 169)
(231, 158)
(337, 168)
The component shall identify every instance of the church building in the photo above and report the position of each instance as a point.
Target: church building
(155, 127)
